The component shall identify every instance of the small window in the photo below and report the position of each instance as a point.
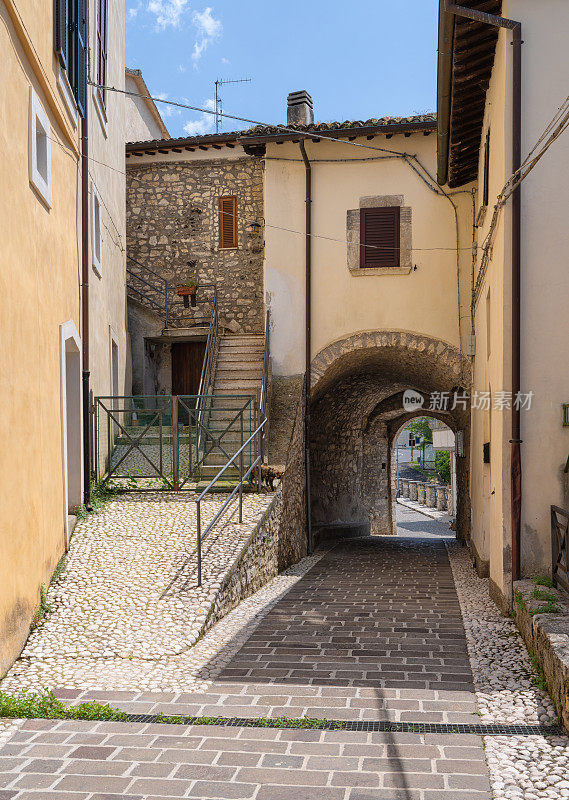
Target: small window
(380, 237)
(102, 37)
(39, 149)
(227, 222)
(486, 175)
(97, 237)
(70, 34)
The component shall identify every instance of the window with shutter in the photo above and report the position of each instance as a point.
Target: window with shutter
(227, 222)
(102, 55)
(70, 18)
(380, 237)
(61, 26)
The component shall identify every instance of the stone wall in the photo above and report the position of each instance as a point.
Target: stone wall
(255, 566)
(547, 638)
(173, 228)
(292, 530)
(283, 404)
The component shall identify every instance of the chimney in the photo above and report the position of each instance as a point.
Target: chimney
(300, 110)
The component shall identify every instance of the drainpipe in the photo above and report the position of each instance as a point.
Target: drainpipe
(307, 338)
(85, 292)
(515, 441)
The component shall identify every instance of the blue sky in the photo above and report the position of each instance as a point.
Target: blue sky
(358, 60)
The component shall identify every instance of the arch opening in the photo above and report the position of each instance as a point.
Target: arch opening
(358, 407)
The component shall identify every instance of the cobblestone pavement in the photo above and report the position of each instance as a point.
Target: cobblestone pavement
(127, 606)
(374, 629)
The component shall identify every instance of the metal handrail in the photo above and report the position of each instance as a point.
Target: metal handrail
(158, 290)
(264, 384)
(207, 369)
(239, 488)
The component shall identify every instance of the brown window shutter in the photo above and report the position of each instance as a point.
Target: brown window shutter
(227, 222)
(379, 237)
(102, 55)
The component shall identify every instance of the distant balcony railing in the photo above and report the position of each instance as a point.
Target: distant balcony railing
(154, 292)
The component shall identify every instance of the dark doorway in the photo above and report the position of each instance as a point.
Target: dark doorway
(187, 362)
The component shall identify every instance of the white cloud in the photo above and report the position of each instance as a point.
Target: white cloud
(225, 61)
(208, 29)
(165, 109)
(206, 23)
(204, 124)
(181, 68)
(167, 12)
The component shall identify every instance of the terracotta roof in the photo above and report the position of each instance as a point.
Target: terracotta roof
(261, 133)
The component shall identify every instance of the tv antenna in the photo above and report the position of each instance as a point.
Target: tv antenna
(218, 105)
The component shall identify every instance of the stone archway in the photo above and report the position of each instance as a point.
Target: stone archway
(356, 407)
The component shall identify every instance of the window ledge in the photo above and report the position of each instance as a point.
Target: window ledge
(361, 272)
(67, 95)
(101, 110)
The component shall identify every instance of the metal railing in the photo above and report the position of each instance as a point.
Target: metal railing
(560, 547)
(239, 488)
(147, 287)
(206, 377)
(150, 289)
(148, 443)
(264, 386)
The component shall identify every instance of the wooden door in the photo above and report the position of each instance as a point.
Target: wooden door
(187, 362)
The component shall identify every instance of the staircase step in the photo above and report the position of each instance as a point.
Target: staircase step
(247, 337)
(230, 356)
(230, 385)
(237, 375)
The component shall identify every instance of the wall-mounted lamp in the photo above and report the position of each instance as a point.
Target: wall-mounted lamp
(255, 227)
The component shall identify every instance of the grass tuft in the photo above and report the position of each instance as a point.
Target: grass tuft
(31, 705)
(42, 610)
(543, 580)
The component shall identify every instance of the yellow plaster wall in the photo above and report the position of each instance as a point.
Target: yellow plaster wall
(545, 287)
(39, 290)
(424, 301)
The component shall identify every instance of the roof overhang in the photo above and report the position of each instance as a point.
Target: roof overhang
(466, 58)
(255, 142)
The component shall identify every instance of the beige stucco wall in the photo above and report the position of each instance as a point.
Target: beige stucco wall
(545, 287)
(107, 293)
(424, 300)
(39, 291)
(141, 125)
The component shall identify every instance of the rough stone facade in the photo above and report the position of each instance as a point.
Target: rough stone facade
(284, 396)
(254, 567)
(292, 529)
(547, 638)
(173, 228)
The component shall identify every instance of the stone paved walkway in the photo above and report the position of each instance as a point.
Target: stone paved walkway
(370, 630)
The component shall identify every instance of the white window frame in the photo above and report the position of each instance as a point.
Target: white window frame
(38, 120)
(96, 231)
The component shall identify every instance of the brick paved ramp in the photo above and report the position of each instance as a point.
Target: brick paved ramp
(49, 760)
(373, 631)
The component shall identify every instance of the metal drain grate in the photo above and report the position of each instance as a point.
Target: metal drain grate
(364, 725)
